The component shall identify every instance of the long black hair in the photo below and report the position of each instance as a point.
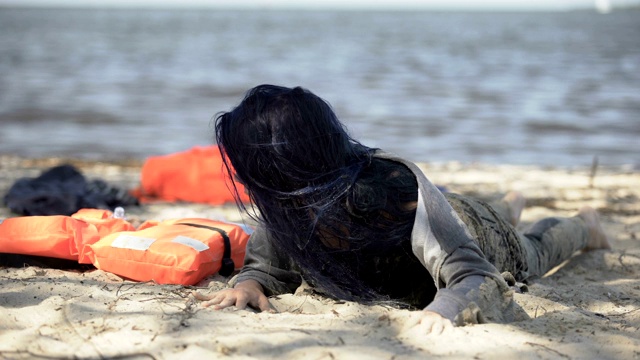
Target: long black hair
(325, 200)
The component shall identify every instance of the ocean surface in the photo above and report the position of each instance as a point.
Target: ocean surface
(549, 89)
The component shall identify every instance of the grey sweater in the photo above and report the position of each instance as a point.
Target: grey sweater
(470, 289)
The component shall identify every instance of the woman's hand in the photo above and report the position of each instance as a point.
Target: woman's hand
(426, 322)
(248, 292)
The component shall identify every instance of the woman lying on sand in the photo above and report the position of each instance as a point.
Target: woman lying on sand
(362, 225)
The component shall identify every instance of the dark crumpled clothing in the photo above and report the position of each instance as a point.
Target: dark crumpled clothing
(63, 190)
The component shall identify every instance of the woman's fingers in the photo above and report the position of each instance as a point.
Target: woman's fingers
(437, 327)
(413, 321)
(224, 302)
(202, 297)
(264, 305)
(435, 324)
(220, 300)
(239, 298)
(426, 323)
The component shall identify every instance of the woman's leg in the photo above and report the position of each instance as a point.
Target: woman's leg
(526, 256)
(597, 238)
(492, 230)
(553, 240)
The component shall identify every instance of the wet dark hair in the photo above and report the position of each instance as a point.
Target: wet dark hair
(326, 201)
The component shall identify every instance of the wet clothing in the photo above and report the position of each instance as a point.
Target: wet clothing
(526, 256)
(450, 238)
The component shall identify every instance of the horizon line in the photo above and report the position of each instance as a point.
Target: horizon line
(301, 8)
(362, 5)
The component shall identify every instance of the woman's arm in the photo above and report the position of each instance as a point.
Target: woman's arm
(264, 273)
(263, 264)
(470, 288)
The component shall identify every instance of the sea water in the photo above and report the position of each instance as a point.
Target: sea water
(551, 89)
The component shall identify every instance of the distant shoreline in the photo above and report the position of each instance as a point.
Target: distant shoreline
(135, 162)
(117, 7)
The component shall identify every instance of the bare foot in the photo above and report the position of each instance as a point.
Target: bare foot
(515, 202)
(597, 237)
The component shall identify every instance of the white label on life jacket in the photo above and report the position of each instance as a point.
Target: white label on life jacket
(197, 245)
(125, 241)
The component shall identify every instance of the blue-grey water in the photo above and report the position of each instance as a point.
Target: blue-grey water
(518, 88)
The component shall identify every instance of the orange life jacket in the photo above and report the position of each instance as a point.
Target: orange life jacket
(58, 236)
(196, 175)
(105, 224)
(52, 236)
(178, 251)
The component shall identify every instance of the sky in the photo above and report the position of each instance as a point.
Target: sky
(557, 5)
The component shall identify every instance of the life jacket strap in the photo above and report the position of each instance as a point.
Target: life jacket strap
(228, 266)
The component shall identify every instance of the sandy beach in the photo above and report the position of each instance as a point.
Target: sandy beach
(588, 308)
